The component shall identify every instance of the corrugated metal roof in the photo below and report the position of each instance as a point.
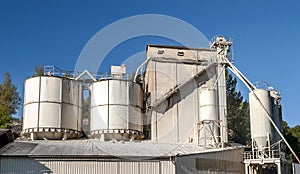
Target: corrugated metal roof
(18, 148)
(92, 147)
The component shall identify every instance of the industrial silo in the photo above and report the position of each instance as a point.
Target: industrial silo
(209, 119)
(116, 109)
(276, 113)
(260, 108)
(52, 108)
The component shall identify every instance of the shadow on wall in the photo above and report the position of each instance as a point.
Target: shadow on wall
(6, 136)
(182, 92)
(228, 161)
(28, 165)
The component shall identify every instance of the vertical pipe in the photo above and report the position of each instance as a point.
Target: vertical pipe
(127, 102)
(246, 169)
(91, 89)
(177, 113)
(198, 114)
(39, 103)
(160, 168)
(205, 139)
(108, 105)
(79, 105)
(253, 152)
(197, 132)
(222, 103)
(279, 168)
(155, 87)
(61, 101)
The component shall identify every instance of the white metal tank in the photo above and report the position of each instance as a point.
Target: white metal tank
(52, 108)
(209, 119)
(116, 109)
(208, 104)
(261, 128)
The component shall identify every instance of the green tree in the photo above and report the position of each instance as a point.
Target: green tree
(4, 120)
(238, 114)
(292, 135)
(38, 71)
(86, 107)
(86, 114)
(9, 100)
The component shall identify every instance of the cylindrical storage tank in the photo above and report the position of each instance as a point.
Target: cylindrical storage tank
(208, 104)
(261, 128)
(209, 119)
(276, 114)
(52, 108)
(116, 110)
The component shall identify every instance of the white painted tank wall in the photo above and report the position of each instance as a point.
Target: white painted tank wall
(208, 104)
(209, 117)
(260, 125)
(116, 105)
(52, 102)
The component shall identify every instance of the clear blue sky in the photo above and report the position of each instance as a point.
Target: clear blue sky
(51, 32)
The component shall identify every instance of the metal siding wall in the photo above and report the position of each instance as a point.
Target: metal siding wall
(229, 162)
(187, 114)
(128, 167)
(79, 167)
(167, 167)
(167, 125)
(149, 168)
(20, 165)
